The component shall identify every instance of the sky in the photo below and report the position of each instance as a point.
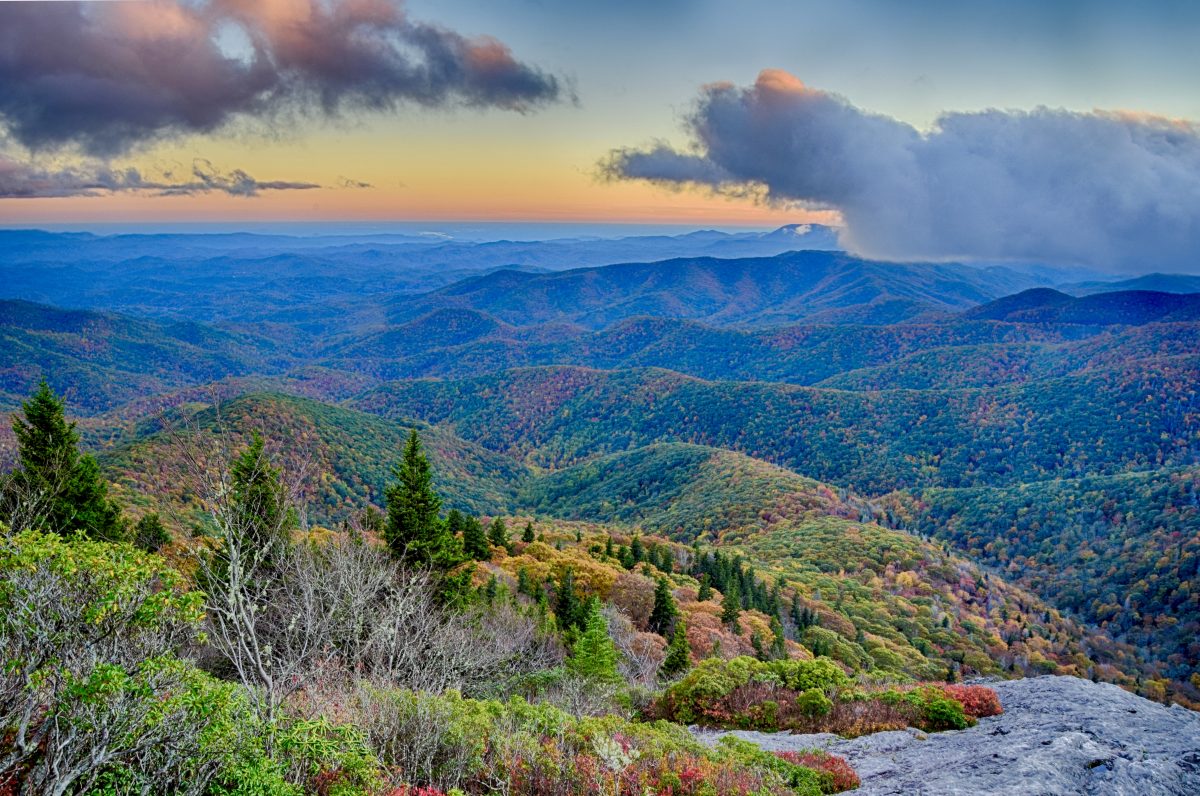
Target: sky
(919, 114)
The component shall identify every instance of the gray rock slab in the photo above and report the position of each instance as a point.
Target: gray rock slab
(1058, 736)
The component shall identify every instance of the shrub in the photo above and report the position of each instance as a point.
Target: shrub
(710, 680)
(92, 687)
(978, 701)
(447, 742)
(937, 711)
(842, 776)
(802, 675)
(813, 702)
(803, 781)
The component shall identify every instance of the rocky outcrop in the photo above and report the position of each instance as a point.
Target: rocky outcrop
(1058, 735)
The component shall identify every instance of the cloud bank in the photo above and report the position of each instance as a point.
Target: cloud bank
(106, 77)
(1112, 189)
(22, 180)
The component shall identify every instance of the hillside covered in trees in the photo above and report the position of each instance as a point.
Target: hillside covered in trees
(807, 492)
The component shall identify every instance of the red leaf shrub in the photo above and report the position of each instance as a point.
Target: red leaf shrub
(844, 777)
(415, 790)
(977, 700)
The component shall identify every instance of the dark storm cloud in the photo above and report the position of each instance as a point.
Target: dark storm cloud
(110, 76)
(22, 180)
(1107, 188)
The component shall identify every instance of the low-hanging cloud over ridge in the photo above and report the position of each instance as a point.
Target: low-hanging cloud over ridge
(1113, 189)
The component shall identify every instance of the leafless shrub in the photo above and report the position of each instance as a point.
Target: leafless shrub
(641, 653)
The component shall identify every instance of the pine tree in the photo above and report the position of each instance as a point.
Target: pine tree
(662, 616)
(527, 534)
(608, 547)
(679, 654)
(55, 488)
(474, 540)
(731, 607)
(567, 608)
(705, 593)
(498, 533)
(415, 534)
(593, 655)
(149, 533)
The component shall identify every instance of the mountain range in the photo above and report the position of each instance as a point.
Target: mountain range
(827, 415)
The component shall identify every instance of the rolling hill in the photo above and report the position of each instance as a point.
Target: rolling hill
(1119, 551)
(99, 359)
(1103, 420)
(747, 291)
(345, 456)
(1123, 307)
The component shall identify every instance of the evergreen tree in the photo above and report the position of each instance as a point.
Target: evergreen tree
(55, 488)
(756, 641)
(731, 607)
(679, 654)
(474, 540)
(593, 655)
(567, 608)
(527, 534)
(498, 533)
(414, 533)
(666, 561)
(778, 640)
(637, 552)
(608, 547)
(705, 593)
(149, 533)
(258, 501)
(662, 616)
(524, 584)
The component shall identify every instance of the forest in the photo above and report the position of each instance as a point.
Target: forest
(415, 649)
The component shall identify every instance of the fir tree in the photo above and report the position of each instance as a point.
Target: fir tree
(666, 561)
(149, 533)
(608, 547)
(679, 654)
(55, 488)
(731, 606)
(778, 639)
(637, 552)
(593, 655)
(415, 534)
(662, 616)
(567, 608)
(756, 641)
(498, 533)
(705, 593)
(474, 540)
(259, 512)
(527, 534)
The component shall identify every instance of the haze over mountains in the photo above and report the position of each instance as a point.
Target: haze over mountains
(729, 387)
